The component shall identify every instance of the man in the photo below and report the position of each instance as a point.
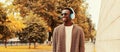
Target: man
(68, 37)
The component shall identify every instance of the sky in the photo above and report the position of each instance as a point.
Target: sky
(2, 1)
(94, 9)
(6, 2)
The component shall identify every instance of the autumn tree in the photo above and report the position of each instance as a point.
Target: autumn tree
(4, 30)
(8, 24)
(45, 12)
(35, 31)
(50, 10)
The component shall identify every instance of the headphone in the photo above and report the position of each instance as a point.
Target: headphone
(72, 13)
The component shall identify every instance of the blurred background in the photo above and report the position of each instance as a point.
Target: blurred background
(31, 22)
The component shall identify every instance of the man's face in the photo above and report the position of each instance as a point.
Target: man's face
(65, 15)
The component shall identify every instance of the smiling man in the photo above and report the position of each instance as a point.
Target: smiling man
(68, 37)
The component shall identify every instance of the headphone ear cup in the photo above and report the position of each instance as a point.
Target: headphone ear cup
(72, 16)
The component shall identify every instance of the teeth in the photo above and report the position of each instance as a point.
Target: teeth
(64, 19)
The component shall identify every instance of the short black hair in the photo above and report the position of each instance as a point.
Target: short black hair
(69, 10)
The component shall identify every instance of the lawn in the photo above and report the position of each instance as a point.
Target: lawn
(25, 48)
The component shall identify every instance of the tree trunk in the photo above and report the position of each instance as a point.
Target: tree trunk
(5, 42)
(35, 44)
(29, 45)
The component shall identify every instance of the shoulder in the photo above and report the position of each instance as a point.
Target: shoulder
(58, 27)
(77, 27)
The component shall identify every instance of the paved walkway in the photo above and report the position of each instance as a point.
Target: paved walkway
(89, 47)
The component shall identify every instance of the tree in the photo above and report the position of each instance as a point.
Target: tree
(36, 30)
(50, 10)
(43, 8)
(8, 24)
(4, 30)
(6, 33)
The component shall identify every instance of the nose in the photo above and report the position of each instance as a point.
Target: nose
(63, 16)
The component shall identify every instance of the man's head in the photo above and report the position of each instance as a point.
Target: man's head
(67, 14)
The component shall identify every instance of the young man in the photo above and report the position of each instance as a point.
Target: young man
(68, 37)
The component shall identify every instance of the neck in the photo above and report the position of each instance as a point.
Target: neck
(68, 23)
